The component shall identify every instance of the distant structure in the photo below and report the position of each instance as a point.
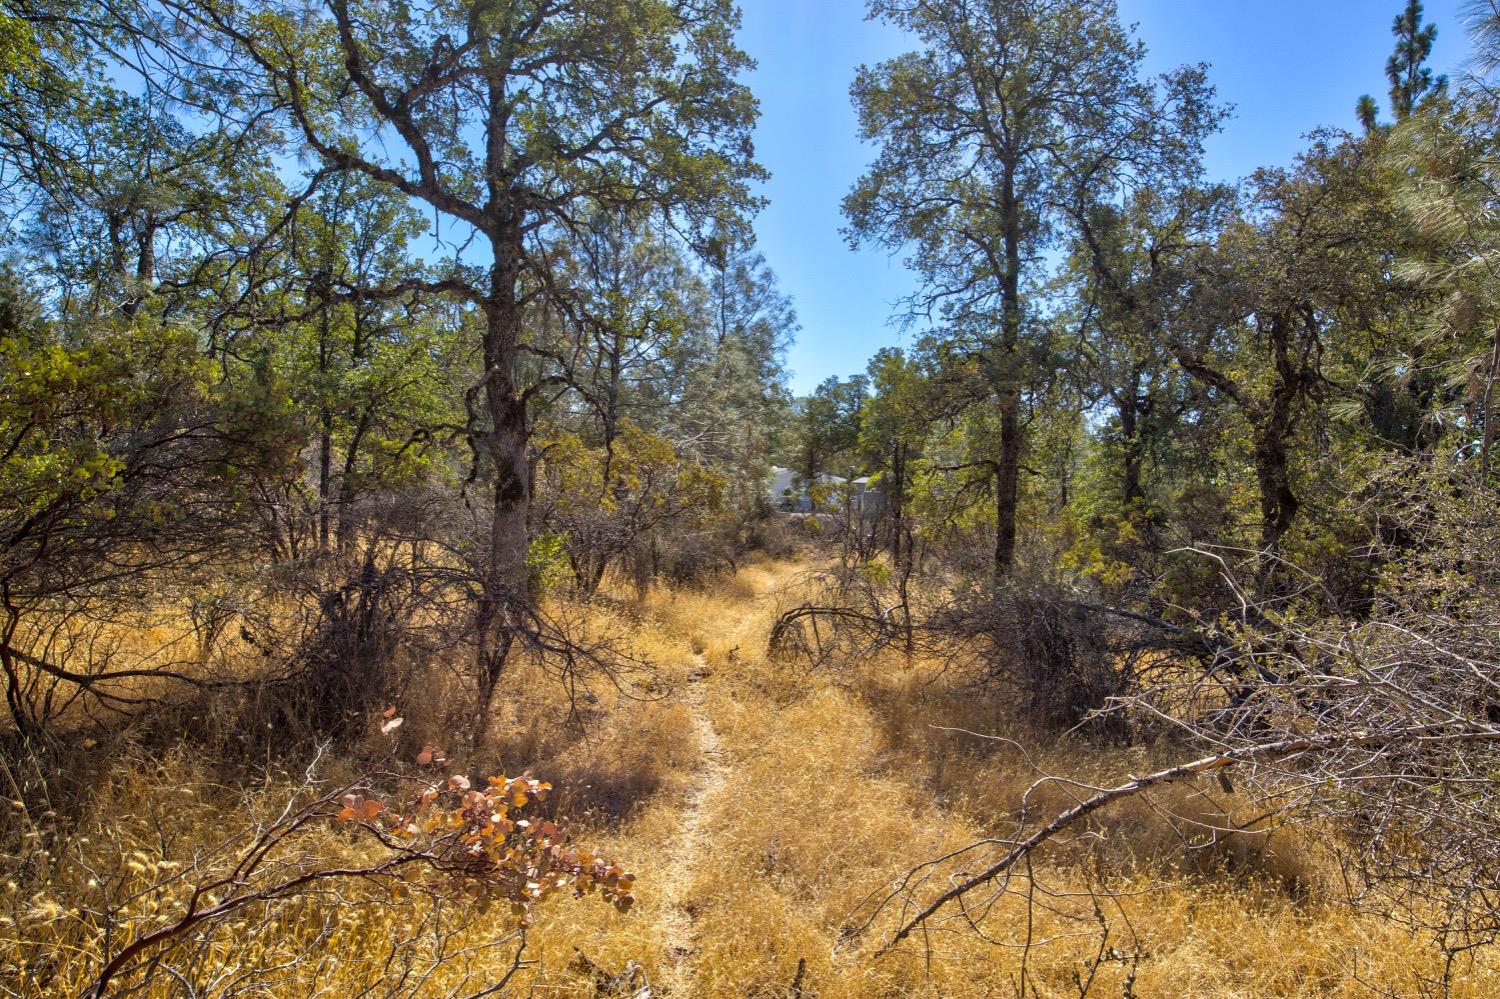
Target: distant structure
(787, 491)
(865, 500)
(782, 490)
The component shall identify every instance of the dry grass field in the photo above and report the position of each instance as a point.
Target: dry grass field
(762, 805)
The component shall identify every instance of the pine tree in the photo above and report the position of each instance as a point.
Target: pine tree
(1411, 79)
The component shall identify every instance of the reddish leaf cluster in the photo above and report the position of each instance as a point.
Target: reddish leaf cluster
(482, 837)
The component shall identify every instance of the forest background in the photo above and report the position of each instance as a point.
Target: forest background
(389, 400)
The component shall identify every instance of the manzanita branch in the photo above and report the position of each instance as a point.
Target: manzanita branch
(1280, 749)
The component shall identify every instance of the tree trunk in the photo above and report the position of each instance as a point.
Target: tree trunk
(489, 682)
(1278, 502)
(1005, 375)
(1007, 482)
(1489, 424)
(325, 478)
(902, 542)
(325, 416)
(15, 695)
(506, 592)
(145, 271)
(1128, 407)
(896, 497)
(344, 531)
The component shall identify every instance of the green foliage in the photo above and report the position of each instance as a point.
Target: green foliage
(99, 432)
(827, 425)
(19, 52)
(1411, 80)
(547, 559)
(607, 502)
(1002, 128)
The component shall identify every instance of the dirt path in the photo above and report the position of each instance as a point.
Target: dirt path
(691, 843)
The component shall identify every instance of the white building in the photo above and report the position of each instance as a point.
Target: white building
(786, 491)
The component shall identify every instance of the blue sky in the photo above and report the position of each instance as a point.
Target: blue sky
(1287, 66)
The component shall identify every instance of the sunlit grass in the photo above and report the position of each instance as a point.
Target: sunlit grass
(833, 784)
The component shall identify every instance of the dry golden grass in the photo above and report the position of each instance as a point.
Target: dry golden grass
(823, 789)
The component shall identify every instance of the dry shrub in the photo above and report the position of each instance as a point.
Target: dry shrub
(939, 727)
(611, 746)
(159, 827)
(772, 537)
(1058, 662)
(834, 783)
(111, 872)
(612, 765)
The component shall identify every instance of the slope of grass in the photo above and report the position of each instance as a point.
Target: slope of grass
(822, 787)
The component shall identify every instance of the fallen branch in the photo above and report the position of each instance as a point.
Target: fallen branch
(1271, 750)
(787, 636)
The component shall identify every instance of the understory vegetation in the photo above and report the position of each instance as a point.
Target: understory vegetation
(826, 785)
(418, 578)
